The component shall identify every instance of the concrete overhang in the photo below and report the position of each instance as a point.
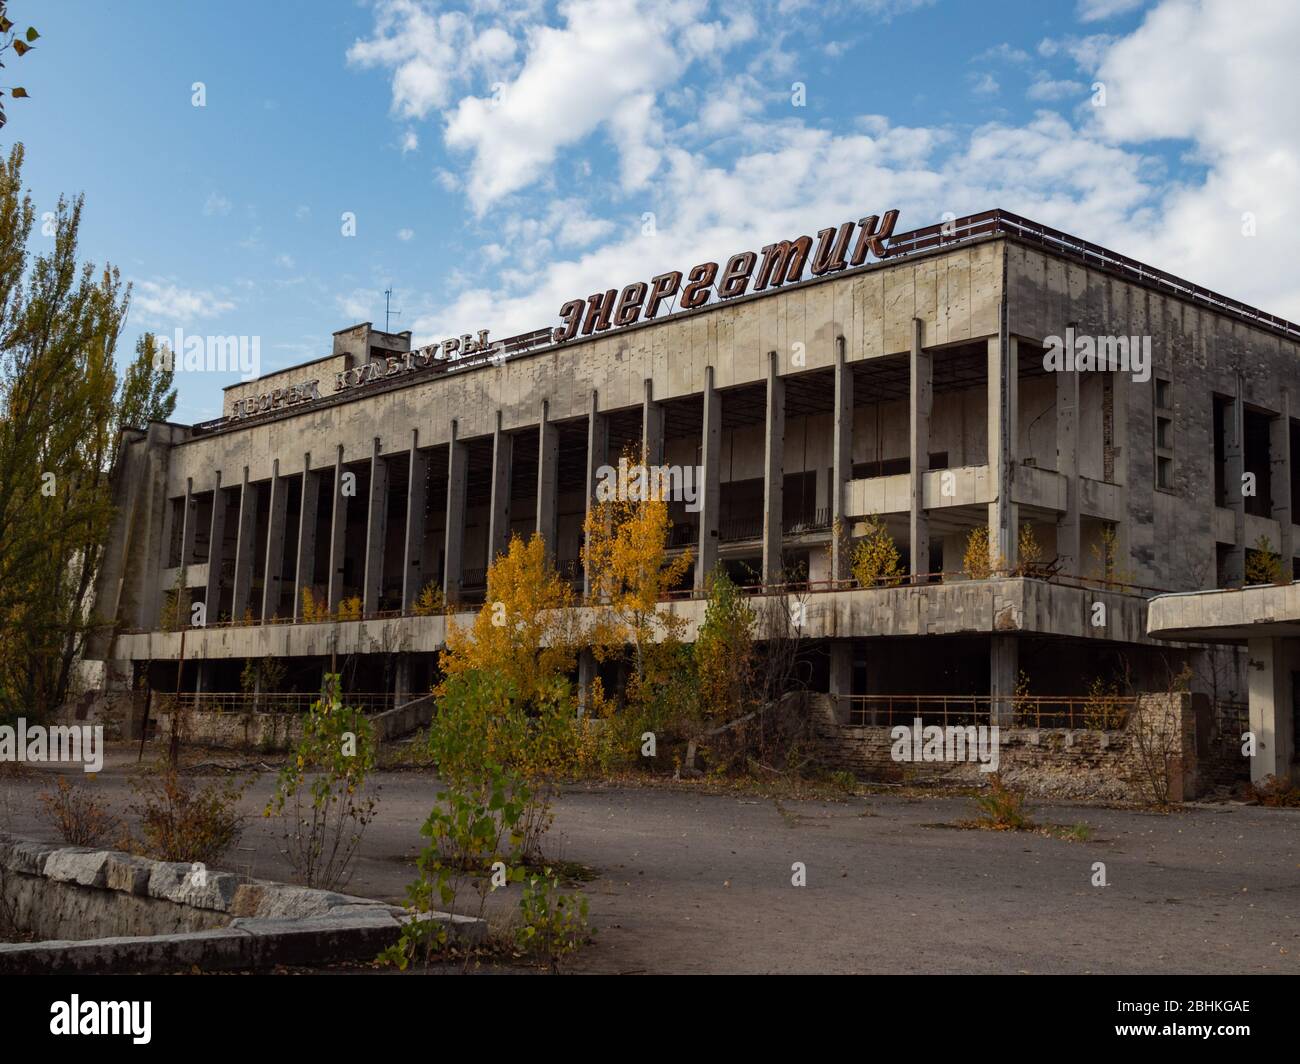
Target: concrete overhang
(958, 607)
(1235, 616)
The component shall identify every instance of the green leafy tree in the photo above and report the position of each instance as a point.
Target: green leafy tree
(60, 408)
(724, 650)
(147, 393)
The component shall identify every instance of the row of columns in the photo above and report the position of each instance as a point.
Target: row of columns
(1002, 519)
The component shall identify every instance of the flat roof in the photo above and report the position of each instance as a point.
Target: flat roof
(928, 240)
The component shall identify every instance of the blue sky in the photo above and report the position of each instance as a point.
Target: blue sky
(499, 158)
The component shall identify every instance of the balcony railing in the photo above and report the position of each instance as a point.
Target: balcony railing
(1020, 711)
(799, 524)
(737, 529)
(683, 535)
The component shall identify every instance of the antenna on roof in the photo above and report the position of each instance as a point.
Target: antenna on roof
(388, 312)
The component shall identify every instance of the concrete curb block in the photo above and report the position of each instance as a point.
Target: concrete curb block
(271, 923)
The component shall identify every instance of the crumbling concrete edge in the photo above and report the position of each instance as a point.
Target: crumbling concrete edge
(271, 923)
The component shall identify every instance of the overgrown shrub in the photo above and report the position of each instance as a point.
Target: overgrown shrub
(553, 924)
(430, 601)
(1272, 791)
(474, 836)
(182, 821)
(321, 792)
(876, 560)
(977, 562)
(1263, 563)
(78, 816)
(1003, 807)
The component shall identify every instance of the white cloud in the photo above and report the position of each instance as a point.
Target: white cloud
(1197, 75)
(216, 203)
(405, 235)
(1095, 10)
(165, 302)
(1046, 169)
(604, 66)
(358, 305)
(1087, 52)
(1206, 74)
(410, 141)
(1004, 53)
(1045, 88)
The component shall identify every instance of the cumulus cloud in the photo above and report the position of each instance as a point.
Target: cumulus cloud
(1200, 73)
(1045, 88)
(1195, 78)
(1096, 10)
(164, 302)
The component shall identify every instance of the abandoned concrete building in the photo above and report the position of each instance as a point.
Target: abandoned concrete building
(923, 386)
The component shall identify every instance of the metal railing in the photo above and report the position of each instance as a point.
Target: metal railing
(807, 521)
(737, 529)
(1231, 719)
(272, 701)
(1107, 713)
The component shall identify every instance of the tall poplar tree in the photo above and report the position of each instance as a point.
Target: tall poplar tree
(60, 412)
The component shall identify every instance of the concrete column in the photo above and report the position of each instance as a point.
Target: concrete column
(165, 540)
(372, 586)
(841, 678)
(773, 473)
(586, 674)
(1069, 535)
(652, 427)
(597, 456)
(841, 464)
(401, 680)
(1002, 403)
(338, 531)
(189, 511)
(244, 550)
(499, 517)
(548, 471)
(710, 489)
(417, 504)
(277, 518)
(1234, 455)
(1269, 677)
(920, 404)
(1279, 460)
(307, 513)
(453, 555)
(216, 552)
(1004, 662)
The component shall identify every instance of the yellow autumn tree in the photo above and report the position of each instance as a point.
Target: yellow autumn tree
(524, 631)
(876, 560)
(626, 555)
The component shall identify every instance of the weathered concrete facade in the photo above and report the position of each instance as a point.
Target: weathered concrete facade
(914, 387)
